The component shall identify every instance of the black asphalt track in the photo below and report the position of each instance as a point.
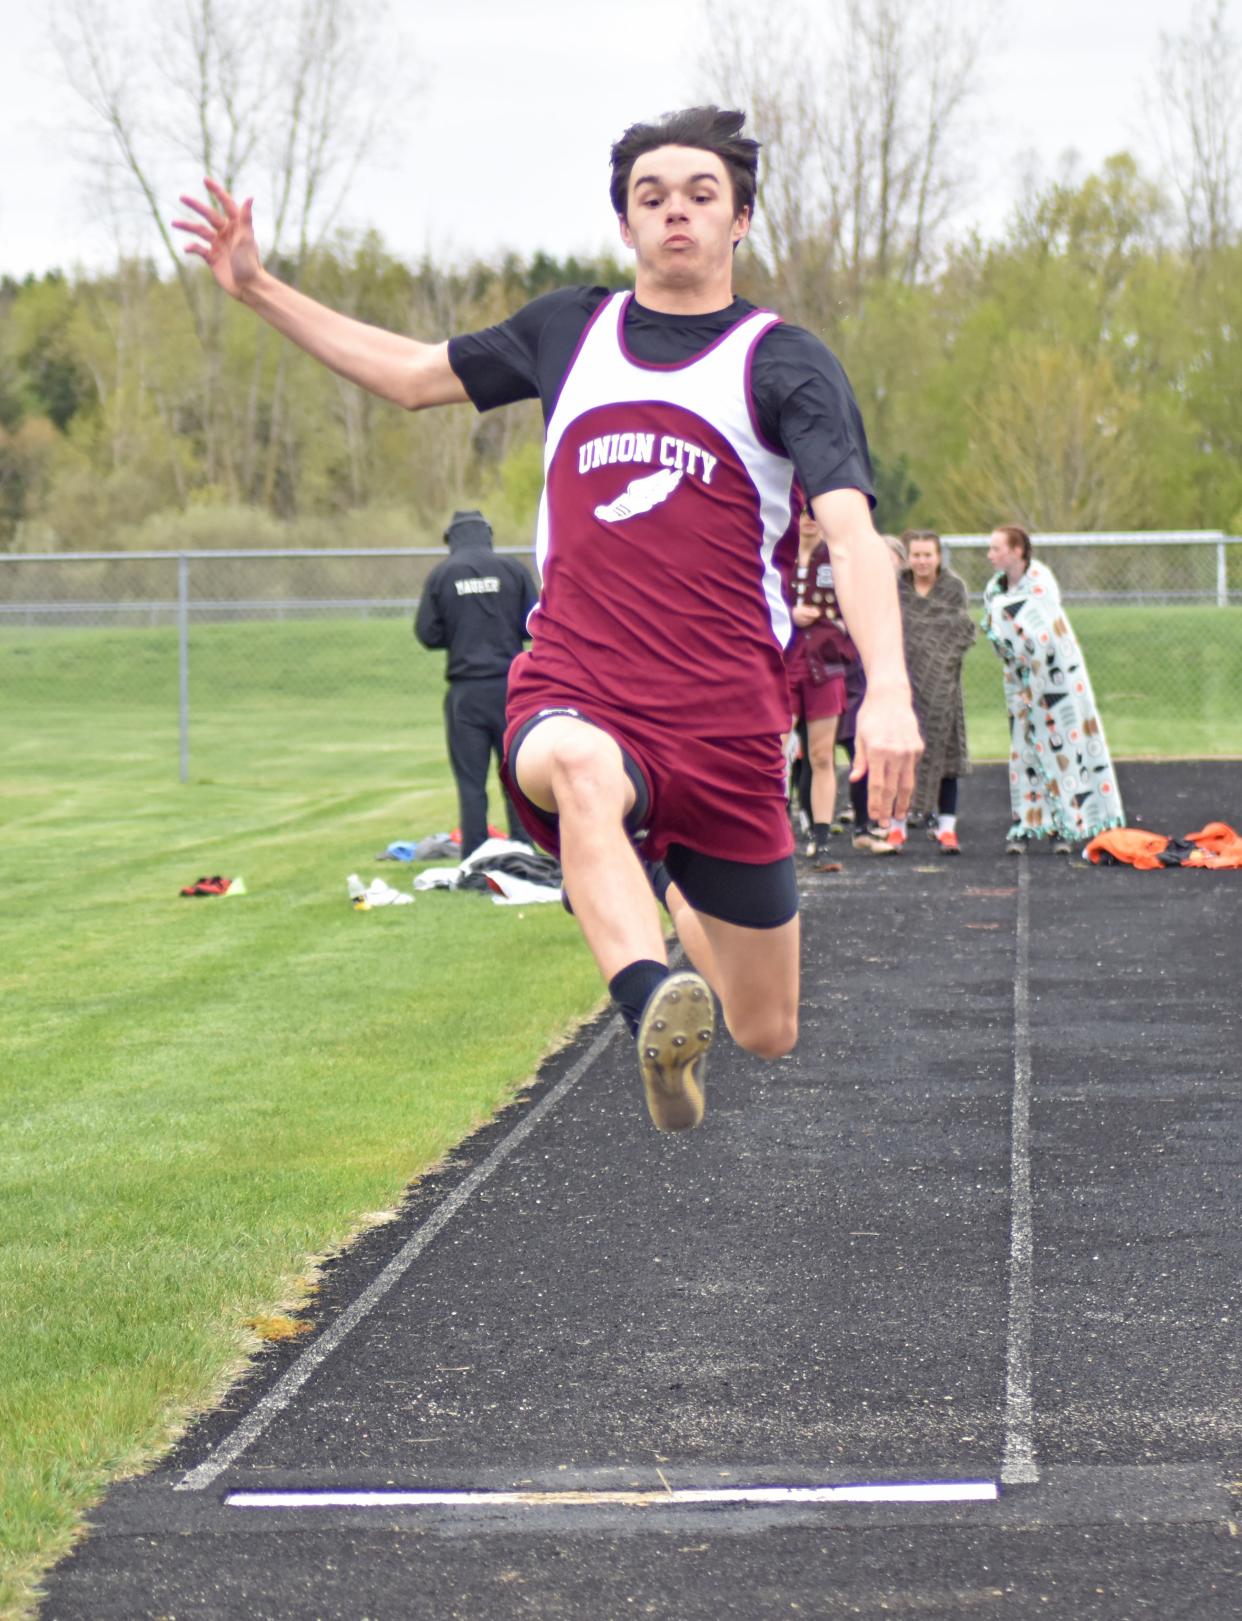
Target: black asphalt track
(835, 1280)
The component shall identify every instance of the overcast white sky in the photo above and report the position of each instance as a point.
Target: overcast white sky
(570, 75)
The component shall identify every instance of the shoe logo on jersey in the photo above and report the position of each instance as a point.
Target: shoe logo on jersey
(640, 495)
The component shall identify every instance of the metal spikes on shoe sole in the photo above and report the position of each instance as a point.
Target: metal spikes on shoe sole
(675, 1032)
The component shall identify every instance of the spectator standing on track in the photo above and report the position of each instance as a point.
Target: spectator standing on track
(815, 663)
(650, 707)
(939, 631)
(476, 605)
(1061, 780)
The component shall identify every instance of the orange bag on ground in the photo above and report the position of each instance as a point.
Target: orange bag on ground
(1215, 846)
(1129, 845)
(1220, 843)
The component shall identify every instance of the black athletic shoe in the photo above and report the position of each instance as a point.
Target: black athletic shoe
(674, 1035)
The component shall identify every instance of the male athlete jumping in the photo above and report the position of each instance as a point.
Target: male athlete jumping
(645, 721)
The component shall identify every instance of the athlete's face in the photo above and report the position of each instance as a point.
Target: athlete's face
(924, 559)
(679, 217)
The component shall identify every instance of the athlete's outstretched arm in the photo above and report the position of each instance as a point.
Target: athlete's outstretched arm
(402, 370)
(887, 744)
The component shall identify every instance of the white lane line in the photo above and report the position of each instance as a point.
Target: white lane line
(1018, 1465)
(284, 1390)
(934, 1491)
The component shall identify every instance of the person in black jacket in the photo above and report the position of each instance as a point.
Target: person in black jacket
(475, 604)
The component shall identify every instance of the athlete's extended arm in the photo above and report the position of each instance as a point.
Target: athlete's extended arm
(887, 744)
(399, 369)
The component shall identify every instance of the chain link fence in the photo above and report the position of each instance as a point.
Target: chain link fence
(221, 662)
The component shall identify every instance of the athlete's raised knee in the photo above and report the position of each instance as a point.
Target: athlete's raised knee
(586, 773)
(573, 769)
(771, 1033)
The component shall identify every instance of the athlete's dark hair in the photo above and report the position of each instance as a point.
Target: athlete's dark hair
(710, 129)
(1018, 539)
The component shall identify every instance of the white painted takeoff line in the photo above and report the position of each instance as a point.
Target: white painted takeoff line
(934, 1491)
(286, 1387)
(1018, 1465)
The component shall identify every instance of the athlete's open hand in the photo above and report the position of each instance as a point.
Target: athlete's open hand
(226, 241)
(887, 746)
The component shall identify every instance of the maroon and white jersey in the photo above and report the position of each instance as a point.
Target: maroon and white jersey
(661, 511)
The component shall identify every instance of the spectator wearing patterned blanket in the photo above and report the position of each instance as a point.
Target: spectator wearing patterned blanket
(1062, 784)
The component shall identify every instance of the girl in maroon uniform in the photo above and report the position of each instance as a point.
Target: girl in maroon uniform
(815, 663)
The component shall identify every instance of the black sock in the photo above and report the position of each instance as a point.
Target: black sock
(631, 988)
(858, 799)
(821, 832)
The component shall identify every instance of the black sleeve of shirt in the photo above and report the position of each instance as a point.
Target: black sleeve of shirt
(805, 404)
(526, 356)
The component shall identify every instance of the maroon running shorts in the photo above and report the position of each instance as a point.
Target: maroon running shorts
(722, 796)
(809, 700)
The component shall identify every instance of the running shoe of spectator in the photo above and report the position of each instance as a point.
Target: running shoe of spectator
(948, 843)
(1015, 847)
(874, 842)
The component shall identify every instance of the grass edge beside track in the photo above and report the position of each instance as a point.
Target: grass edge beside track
(209, 1056)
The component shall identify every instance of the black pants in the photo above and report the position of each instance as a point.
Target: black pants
(474, 722)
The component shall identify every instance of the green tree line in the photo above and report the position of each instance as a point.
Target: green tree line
(1084, 371)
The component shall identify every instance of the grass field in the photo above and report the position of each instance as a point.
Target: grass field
(1166, 679)
(197, 1096)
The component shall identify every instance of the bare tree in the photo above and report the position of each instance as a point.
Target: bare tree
(294, 96)
(861, 108)
(1199, 82)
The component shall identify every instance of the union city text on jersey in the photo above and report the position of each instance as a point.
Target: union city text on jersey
(641, 447)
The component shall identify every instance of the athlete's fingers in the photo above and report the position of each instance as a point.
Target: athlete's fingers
(216, 221)
(905, 788)
(191, 229)
(881, 789)
(222, 197)
(858, 766)
(247, 213)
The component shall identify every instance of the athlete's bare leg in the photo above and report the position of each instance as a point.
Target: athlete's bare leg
(756, 981)
(575, 769)
(821, 747)
(693, 937)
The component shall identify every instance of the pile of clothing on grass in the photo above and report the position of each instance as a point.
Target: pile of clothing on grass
(513, 874)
